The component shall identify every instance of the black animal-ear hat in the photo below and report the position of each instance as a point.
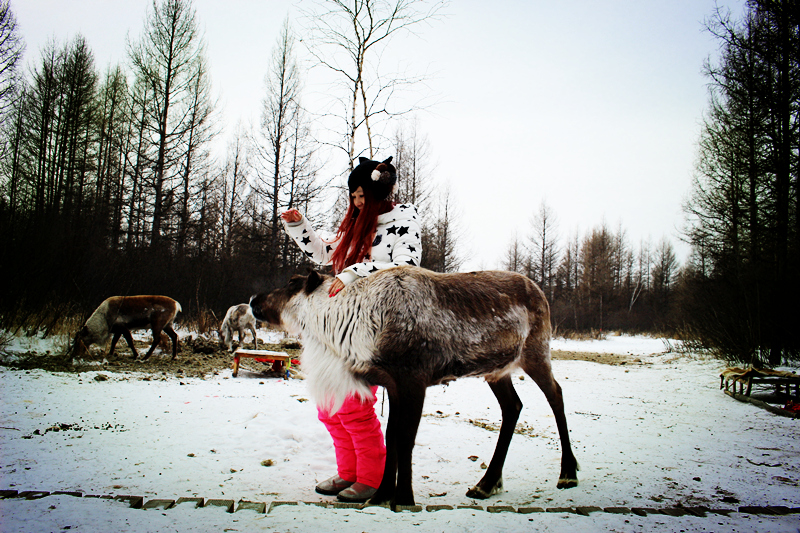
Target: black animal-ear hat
(379, 177)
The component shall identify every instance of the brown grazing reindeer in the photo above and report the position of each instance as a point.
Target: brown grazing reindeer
(407, 328)
(118, 315)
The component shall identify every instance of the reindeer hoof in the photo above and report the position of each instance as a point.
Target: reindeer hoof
(380, 498)
(481, 494)
(567, 483)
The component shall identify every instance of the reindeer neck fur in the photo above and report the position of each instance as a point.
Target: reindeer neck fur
(98, 324)
(338, 339)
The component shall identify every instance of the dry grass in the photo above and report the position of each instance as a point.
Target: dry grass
(203, 322)
(61, 322)
(48, 320)
(5, 339)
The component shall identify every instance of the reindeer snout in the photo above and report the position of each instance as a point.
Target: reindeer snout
(265, 309)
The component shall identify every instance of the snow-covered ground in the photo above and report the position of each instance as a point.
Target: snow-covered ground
(616, 344)
(653, 435)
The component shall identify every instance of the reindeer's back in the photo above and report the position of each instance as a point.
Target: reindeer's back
(469, 295)
(237, 314)
(141, 308)
(456, 321)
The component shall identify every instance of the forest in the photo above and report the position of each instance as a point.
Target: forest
(108, 185)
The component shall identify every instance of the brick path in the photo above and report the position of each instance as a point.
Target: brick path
(139, 502)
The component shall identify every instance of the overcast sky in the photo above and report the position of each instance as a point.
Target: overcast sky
(592, 106)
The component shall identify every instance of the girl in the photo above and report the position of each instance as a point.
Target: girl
(375, 234)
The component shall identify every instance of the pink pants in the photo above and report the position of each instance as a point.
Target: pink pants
(358, 440)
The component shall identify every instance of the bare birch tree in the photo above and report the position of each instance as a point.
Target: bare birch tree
(234, 193)
(348, 37)
(284, 161)
(140, 158)
(200, 129)
(641, 279)
(166, 59)
(280, 111)
(112, 121)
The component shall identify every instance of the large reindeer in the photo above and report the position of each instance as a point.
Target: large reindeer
(118, 315)
(406, 329)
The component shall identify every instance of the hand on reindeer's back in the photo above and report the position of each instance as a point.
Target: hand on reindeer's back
(336, 286)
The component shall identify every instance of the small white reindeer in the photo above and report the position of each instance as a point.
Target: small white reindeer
(238, 318)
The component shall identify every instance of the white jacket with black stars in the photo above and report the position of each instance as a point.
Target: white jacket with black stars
(397, 242)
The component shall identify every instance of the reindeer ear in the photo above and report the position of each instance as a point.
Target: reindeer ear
(313, 281)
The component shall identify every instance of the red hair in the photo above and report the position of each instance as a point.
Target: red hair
(357, 231)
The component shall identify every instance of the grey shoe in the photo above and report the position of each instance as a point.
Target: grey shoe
(356, 493)
(333, 486)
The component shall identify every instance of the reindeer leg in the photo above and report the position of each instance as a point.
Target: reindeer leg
(228, 340)
(386, 490)
(542, 374)
(174, 337)
(408, 405)
(255, 340)
(114, 342)
(510, 405)
(125, 332)
(156, 340)
(129, 339)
